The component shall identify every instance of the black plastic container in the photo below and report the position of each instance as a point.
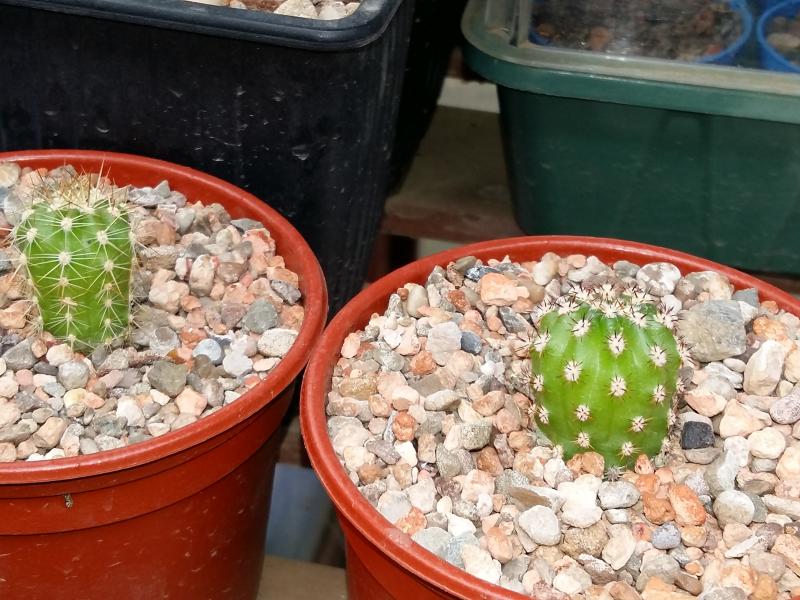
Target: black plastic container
(434, 35)
(300, 112)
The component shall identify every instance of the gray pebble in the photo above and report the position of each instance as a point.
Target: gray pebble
(664, 567)
(107, 442)
(245, 224)
(40, 415)
(666, 536)
(625, 269)
(763, 465)
(27, 401)
(732, 506)
(287, 292)
(511, 320)
(441, 400)
(433, 539)
(659, 278)
(389, 359)
(44, 368)
(88, 446)
(54, 389)
(766, 562)
(209, 348)
(600, 571)
(118, 360)
(73, 374)
(276, 342)
(471, 342)
(447, 462)
(109, 425)
(393, 505)
(618, 494)
(702, 456)
(20, 356)
(468, 510)
(184, 218)
(18, 432)
(261, 316)
(759, 508)
(237, 364)
(475, 436)
(383, 450)
(748, 296)
(167, 377)
(714, 330)
(163, 340)
(786, 410)
(452, 550)
(721, 473)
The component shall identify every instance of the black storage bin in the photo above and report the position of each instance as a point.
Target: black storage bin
(434, 35)
(300, 112)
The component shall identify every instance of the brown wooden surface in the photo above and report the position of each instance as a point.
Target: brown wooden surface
(456, 190)
(293, 580)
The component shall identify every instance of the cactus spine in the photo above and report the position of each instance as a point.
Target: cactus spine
(604, 371)
(76, 247)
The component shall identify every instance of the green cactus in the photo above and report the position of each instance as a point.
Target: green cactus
(604, 371)
(76, 246)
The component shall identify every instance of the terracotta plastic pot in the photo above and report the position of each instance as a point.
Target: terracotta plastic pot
(181, 516)
(382, 562)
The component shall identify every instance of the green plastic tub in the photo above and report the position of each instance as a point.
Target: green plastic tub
(697, 157)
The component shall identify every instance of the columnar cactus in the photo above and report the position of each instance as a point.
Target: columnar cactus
(76, 247)
(604, 371)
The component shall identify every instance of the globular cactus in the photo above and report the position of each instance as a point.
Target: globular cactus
(604, 372)
(76, 246)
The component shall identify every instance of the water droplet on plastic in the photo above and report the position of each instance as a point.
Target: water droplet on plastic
(301, 152)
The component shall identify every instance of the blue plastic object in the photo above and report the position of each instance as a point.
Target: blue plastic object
(300, 513)
(765, 5)
(726, 57)
(770, 58)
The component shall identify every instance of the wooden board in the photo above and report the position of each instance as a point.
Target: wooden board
(293, 580)
(456, 190)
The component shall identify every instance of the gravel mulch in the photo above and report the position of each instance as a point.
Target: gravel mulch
(215, 310)
(428, 416)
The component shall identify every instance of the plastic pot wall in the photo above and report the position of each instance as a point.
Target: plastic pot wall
(663, 152)
(691, 180)
(299, 112)
(180, 516)
(382, 562)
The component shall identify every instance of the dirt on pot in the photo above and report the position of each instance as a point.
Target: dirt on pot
(674, 29)
(783, 34)
(429, 416)
(316, 9)
(215, 310)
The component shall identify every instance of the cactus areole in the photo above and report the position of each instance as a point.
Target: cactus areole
(76, 246)
(604, 372)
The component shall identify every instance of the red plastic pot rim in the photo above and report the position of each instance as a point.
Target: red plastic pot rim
(316, 384)
(127, 168)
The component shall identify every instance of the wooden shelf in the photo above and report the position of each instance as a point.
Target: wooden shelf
(284, 579)
(457, 189)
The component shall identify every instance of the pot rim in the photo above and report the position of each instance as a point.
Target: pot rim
(315, 304)
(350, 504)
